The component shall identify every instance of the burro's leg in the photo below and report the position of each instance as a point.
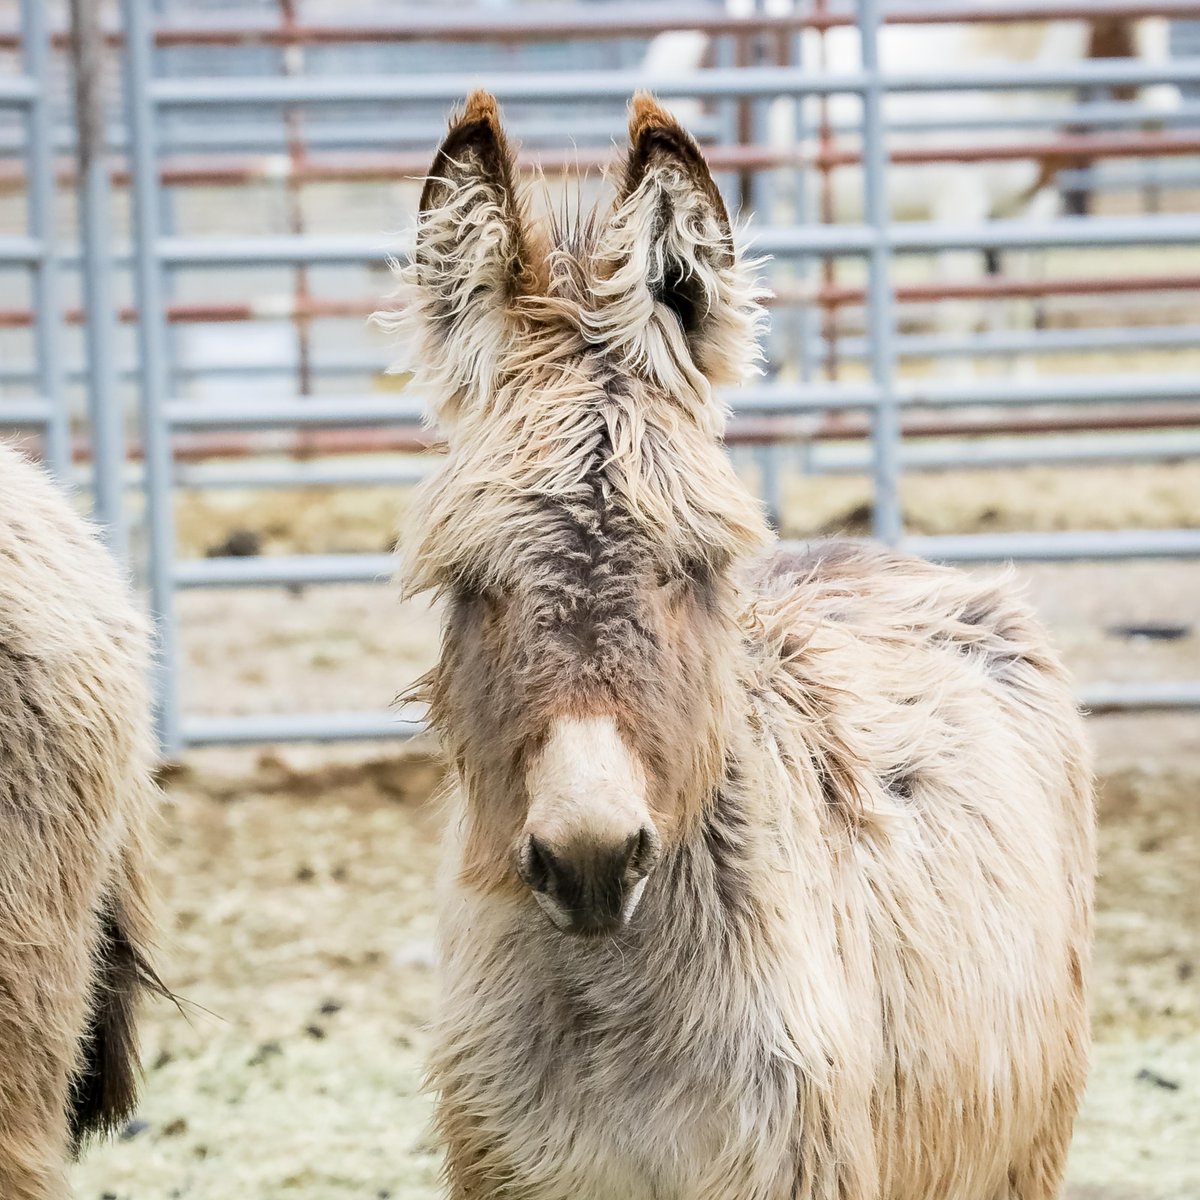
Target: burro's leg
(1038, 1173)
(42, 1013)
(50, 881)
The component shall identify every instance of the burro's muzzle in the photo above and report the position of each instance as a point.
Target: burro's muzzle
(589, 842)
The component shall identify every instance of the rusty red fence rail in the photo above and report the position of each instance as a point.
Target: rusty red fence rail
(619, 22)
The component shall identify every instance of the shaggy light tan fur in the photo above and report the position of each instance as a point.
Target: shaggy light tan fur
(76, 797)
(857, 970)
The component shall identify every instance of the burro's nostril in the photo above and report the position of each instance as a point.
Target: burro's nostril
(537, 865)
(644, 849)
(588, 884)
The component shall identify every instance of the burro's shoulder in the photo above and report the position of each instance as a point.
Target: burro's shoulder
(895, 613)
(886, 677)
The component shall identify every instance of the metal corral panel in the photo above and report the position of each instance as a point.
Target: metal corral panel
(294, 258)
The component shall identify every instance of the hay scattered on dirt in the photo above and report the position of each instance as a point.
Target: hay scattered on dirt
(320, 520)
(298, 930)
(1030, 499)
(299, 923)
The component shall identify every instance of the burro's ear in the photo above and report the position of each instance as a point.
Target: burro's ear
(669, 282)
(471, 260)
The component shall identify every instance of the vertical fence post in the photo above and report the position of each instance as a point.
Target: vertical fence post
(888, 520)
(801, 272)
(830, 317)
(95, 237)
(800, 315)
(47, 303)
(154, 382)
(763, 195)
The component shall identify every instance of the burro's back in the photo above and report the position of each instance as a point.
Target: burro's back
(76, 799)
(768, 875)
(936, 867)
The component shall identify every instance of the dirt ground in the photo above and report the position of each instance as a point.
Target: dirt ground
(296, 881)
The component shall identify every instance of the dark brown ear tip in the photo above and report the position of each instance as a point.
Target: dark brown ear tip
(655, 135)
(480, 106)
(478, 124)
(647, 115)
(475, 131)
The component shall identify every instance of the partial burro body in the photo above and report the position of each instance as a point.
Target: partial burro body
(769, 875)
(76, 799)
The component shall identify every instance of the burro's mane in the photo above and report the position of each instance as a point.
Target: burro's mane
(563, 355)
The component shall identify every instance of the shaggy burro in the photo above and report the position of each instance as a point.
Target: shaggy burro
(769, 875)
(76, 794)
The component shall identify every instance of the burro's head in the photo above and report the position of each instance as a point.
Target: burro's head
(585, 526)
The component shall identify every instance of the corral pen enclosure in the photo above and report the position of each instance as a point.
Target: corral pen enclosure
(981, 227)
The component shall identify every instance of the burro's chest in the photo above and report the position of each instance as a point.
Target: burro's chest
(593, 1071)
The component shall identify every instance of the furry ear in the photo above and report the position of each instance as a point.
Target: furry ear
(667, 272)
(472, 258)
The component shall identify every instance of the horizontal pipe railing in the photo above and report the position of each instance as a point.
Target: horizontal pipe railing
(1079, 389)
(823, 458)
(618, 22)
(780, 241)
(23, 413)
(308, 411)
(301, 474)
(303, 411)
(1086, 389)
(833, 448)
(911, 237)
(17, 91)
(1100, 698)
(1091, 114)
(851, 346)
(279, 168)
(20, 251)
(904, 237)
(283, 570)
(398, 438)
(994, 453)
(1146, 144)
(298, 570)
(368, 134)
(253, 728)
(250, 728)
(713, 83)
(1005, 342)
(1056, 547)
(286, 306)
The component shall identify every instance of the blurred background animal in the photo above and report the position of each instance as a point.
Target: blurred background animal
(949, 192)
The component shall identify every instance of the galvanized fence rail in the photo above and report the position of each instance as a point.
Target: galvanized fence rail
(152, 139)
(37, 253)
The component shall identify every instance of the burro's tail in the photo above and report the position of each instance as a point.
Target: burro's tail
(105, 1089)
